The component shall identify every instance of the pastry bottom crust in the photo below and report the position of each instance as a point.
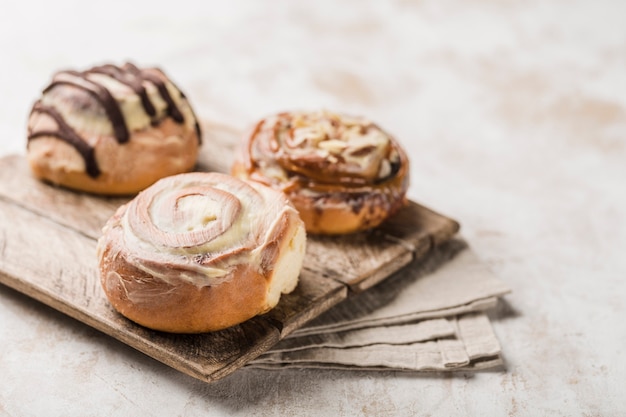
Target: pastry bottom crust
(127, 168)
(344, 213)
(180, 306)
(341, 212)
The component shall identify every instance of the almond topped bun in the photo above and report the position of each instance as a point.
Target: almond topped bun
(343, 174)
(199, 252)
(111, 130)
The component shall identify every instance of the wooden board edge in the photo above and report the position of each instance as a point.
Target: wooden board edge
(332, 299)
(139, 343)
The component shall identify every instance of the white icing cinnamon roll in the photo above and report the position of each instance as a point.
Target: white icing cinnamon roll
(111, 130)
(199, 252)
(343, 174)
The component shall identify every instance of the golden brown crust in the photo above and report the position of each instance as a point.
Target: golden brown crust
(126, 168)
(199, 268)
(181, 307)
(108, 130)
(343, 174)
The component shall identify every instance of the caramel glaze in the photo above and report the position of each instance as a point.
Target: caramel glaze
(128, 75)
(319, 175)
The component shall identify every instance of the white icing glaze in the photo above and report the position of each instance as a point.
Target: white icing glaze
(135, 117)
(197, 227)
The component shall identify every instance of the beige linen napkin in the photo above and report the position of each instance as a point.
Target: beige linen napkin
(426, 317)
(450, 281)
(472, 346)
(397, 335)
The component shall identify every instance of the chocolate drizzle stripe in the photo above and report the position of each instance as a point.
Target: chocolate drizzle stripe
(101, 94)
(172, 110)
(196, 125)
(67, 134)
(130, 79)
(133, 77)
(128, 75)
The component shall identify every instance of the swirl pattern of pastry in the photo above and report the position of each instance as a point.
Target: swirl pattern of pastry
(111, 130)
(343, 174)
(199, 252)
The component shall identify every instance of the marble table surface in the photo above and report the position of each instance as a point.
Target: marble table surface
(514, 117)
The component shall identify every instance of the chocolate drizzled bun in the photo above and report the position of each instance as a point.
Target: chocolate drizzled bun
(111, 130)
(199, 252)
(343, 174)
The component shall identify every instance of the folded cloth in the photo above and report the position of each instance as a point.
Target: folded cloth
(427, 317)
(472, 346)
(395, 335)
(449, 281)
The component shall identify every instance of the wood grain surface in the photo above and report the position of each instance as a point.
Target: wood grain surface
(47, 251)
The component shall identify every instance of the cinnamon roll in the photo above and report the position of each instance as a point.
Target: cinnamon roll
(344, 174)
(199, 252)
(111, 130)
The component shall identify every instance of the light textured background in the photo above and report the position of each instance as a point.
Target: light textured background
(514, 115)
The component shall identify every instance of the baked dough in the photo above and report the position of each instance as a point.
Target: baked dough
(111, 130)
(199, 252)
(344, 174)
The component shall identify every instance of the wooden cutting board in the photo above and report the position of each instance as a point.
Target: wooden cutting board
(48, 251)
